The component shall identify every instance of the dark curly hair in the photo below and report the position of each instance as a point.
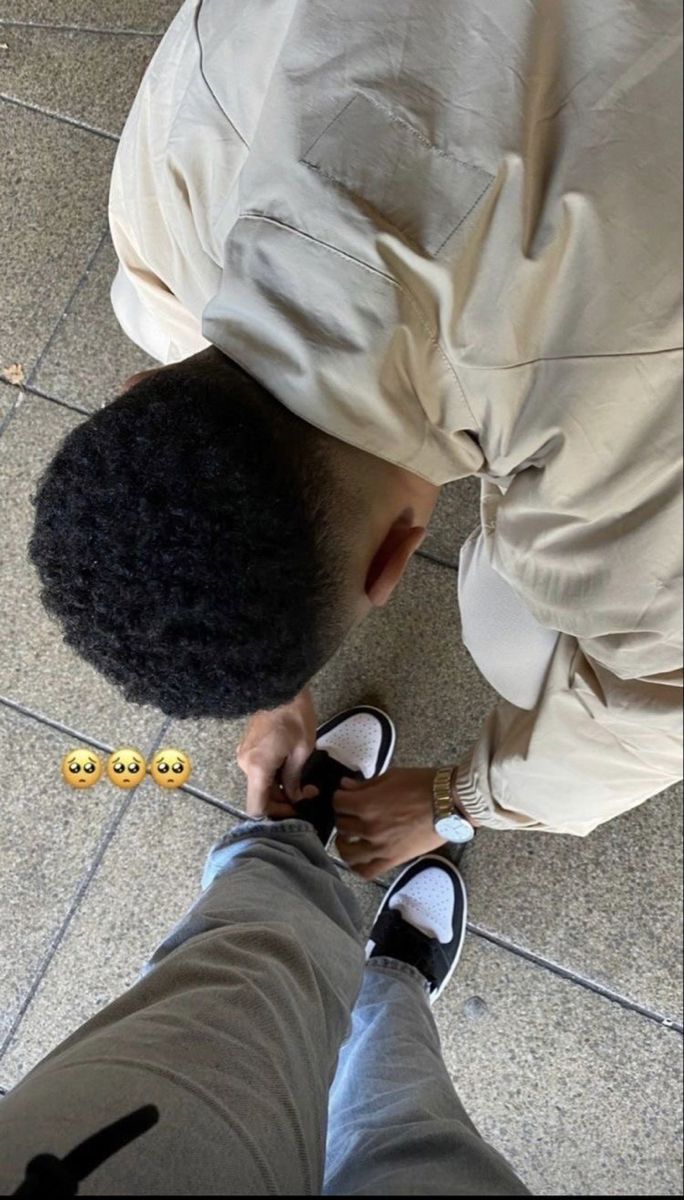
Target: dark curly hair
(183, 539)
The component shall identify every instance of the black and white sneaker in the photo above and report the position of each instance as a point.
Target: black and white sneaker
(422, 921)
(358, 744)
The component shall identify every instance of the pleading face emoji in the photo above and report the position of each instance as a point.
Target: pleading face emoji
(170, 768)
(126, 767)
(82, 768)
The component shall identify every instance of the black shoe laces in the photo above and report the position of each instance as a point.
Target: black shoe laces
(396, 938)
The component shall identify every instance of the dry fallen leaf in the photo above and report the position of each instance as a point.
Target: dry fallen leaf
(14, 373)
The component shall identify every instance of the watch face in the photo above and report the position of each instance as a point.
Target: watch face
(454, 829)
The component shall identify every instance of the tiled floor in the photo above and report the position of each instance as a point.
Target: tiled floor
(571, 1062)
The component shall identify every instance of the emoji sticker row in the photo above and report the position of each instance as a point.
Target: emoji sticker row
(126, 767)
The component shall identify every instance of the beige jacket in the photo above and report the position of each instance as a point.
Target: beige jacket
(449, 233)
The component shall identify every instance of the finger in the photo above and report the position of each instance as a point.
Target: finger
(291, 772)
(349, 804)
(310, 792)
(353, 785)
(279, 810)
(260, 791)
(356, 854)
(350, 827)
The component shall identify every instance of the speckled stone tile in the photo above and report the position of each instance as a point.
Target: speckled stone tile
(456, 516)
(90, 357)
(608, 906)
(8, 396)
(583, 1097)
(48, 836)
(53, 211)
(36, 668)
(90, 77)
(149, 876)
(407, 657)
(150, 15)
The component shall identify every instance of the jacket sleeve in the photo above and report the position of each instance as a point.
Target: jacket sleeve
(168, 160)
(145, 292)
(146, 309)
(593, 747)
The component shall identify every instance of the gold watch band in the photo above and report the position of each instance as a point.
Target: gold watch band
(442, 795)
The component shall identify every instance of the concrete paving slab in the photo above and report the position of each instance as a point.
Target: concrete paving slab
(90, 358)
(149, 876)
(53, 206)
(151, 15)
(456, 516)
(608, 907)
(89, 77)
(582, 1096)
(49, 834)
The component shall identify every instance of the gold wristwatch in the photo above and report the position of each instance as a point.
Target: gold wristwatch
(449, 823)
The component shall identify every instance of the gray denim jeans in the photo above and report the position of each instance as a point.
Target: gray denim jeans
(279, 1062)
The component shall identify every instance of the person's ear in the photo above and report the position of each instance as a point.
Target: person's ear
(132, 380)
(390, 561)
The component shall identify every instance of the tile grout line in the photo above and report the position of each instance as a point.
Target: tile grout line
(80, 893)
(80, 283)
(575, 977)
(34, 391)
(53, 723)
(59, 727)
(14, 404)
(13, 24)
(157, 739)
(56, 116)
(58, 937)
(25, 389)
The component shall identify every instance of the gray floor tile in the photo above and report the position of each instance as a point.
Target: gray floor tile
(53, 206)
(149, 876)
(8, 396)
(457, 514)
(150, 15)
(407, 657)
(90, 77)
(583, 1097)
(90, 357)
(608, 906)
(49, 834)
(36, 668)
(368, 895)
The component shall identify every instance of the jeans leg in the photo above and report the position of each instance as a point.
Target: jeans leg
(396, 1126)
(233, 1033)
